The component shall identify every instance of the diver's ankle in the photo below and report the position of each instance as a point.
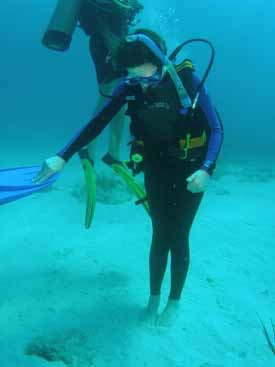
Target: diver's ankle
(149, 315)
(115, 153)
(173, 301)
(109, 159)
(153, 302)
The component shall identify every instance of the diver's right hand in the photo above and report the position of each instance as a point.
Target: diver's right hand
(49, 167)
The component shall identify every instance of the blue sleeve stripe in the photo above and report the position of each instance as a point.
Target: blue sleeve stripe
(216, 134)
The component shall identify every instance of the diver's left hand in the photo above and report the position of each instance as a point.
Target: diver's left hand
(198, 181)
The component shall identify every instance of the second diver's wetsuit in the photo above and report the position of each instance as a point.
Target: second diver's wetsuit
(98, 18)
(156, 120)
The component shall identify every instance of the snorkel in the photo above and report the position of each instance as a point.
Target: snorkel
(168, 65)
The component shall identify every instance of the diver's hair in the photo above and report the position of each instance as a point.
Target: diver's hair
(131, 54)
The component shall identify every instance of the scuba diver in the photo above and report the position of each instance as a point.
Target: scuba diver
(105, 22)
(177, 137)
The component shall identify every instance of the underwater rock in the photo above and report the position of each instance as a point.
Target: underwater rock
(71, 348)
(110, 188)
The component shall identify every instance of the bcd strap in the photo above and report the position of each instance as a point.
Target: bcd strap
(184, 145)
(191, 143)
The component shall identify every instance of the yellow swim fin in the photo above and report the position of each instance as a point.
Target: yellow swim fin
(90, 180)
(122, 170)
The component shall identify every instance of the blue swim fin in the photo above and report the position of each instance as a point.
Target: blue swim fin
(16, 183)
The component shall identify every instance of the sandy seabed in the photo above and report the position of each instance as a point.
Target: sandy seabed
(72, 297)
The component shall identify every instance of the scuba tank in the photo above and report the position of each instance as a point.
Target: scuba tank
(58, 35)
(66, 15)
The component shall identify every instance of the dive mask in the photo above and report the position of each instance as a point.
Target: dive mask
(152, 80)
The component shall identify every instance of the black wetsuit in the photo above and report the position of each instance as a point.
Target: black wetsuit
(155, 119)
(96, 17)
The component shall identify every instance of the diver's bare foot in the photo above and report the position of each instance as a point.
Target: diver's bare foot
(150, 313)
(169, 315)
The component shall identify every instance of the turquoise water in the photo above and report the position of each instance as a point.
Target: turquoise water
(82, 290)
(37, 86)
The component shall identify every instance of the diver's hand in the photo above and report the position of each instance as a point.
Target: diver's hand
(198, 181)
(51, 166)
